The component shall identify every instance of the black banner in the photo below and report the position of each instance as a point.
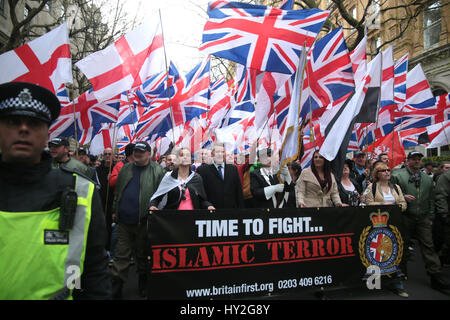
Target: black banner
(253, 252)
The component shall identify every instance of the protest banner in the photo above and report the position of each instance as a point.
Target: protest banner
(236, 254)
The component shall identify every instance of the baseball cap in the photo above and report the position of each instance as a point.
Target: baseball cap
(28, 100)
(359, 153)
(414, 153)
(82, 151)
(60, 141)
(142, 146)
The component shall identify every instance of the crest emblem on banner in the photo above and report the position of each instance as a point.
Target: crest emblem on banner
(381, 245)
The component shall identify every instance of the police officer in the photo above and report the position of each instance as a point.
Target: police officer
(52, 228)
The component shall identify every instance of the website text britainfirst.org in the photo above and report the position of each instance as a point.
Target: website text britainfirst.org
(229, 290)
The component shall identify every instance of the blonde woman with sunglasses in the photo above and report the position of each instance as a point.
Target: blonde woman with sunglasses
(385, 192)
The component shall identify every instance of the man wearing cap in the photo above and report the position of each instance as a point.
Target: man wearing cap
(359, 172)
(59, 150)
(128, 158)
(52, 229)
(418, 191)
(135, 186)
(84, 158)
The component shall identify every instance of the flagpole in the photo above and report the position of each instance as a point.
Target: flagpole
(283, 162)
(167, 79)
(393, 135)
(378, 109)
(110, 167)
(75, 128)
(131, 113)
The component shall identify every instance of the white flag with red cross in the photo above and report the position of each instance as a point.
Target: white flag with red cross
(45, 61)
(128, 62)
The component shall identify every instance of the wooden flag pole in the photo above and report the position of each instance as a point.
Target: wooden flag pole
(378, 108)
(75, 128)
(167, 79)
(110, 167)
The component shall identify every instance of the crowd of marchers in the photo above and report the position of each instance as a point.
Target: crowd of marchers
(216, 179)
(72, 226)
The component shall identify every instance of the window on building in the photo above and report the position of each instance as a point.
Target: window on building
(432, 152)
(445, 150)
(375, 44)
(432, 24)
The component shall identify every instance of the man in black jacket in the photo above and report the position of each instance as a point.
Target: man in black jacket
(53, 253)
(221, 181)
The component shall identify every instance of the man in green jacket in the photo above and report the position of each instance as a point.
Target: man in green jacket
(442, 214)
(135, 186)
(59, 150)
(418, 191)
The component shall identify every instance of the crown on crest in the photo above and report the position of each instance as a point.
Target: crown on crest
(379, 219)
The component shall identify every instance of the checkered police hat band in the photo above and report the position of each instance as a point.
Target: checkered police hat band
(18, 104)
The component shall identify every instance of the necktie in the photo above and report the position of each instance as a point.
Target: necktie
(220, 171)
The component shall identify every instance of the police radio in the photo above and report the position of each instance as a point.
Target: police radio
(69, 200)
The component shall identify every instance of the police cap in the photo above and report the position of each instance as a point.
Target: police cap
(30, 100)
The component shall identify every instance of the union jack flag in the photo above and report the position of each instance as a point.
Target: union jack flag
(439, 134)
(125, 136)
(89, 115)
(238, 112)
(219, 103)
(410, 137)
(400, 71)
(62, 96)
(328, 73)
(187, 99)
(129, 113)
(103, 139)
(154, 86)
(312, 141)
(265, 106)
(359, 60)
(235, 136)
(418, 92)
(260, 37)
(419, 108)
(387, 84)
(281, 102)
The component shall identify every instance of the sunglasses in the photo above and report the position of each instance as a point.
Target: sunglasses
(384, 170)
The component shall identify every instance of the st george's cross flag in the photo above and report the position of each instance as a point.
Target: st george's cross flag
(45, 61)
(261, 37)
(128, 62)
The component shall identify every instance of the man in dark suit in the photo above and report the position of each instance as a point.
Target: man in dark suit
(221, 181)
(267, 191)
